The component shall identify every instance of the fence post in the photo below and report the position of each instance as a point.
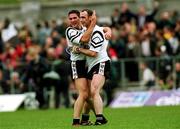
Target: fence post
(122, 73)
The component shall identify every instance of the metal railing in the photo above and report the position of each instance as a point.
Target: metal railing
(155, 63)
(120, 69)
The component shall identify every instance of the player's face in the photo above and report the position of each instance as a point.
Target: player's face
(84, 18)
(74, 20)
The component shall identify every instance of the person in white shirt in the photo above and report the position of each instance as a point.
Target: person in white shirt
(76, 34)
(148, 77)
(98, 64)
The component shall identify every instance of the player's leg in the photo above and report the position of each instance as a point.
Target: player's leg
(81, 86)
(79, 75)
(96, 85)
(97, 75)
(86, 109)
(88, 104)
(85, 116)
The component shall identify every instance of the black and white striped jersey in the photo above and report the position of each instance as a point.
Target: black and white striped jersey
(99, 44)
(73, 37)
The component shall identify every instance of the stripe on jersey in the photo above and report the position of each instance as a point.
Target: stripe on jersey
(70, 35)
(74, 70)
(76, 36)
(97, 39)
(67, 32)
(101, 68)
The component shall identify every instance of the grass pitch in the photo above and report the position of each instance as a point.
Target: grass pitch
(123, 118)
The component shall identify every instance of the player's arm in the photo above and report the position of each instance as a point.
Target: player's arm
(88, 52)
(87, 35)
(84, 51)
(107, 32)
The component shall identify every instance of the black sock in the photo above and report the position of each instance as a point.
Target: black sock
(76, 121)
(85, 117)
(99, 117)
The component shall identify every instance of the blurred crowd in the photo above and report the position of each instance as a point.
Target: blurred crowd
(147, 35)
(30, 62)
(38, 61)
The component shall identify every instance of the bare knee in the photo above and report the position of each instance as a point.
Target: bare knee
(94, 89)
(84, 95)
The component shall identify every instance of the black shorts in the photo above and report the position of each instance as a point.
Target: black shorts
(102, 68)
(78, 69)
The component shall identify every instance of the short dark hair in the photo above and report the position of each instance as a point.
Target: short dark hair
(74, 11)
(89, 12)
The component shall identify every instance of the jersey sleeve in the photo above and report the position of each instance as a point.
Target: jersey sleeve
(97, 40)
(73, 35)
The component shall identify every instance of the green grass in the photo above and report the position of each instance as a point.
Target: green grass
(127, 118)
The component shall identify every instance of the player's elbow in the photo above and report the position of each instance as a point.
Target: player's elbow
(85, 39)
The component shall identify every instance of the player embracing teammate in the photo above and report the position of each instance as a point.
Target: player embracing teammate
(88, 43)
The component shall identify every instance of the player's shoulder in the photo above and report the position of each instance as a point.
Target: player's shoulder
(97, 37)
(97, 32)
(70, 29)
(97, 27)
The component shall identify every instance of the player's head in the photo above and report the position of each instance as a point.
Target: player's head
(85, 16)
(74, 18)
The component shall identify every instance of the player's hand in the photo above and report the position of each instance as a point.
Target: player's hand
(75, 49)
(93, 18)
(107, 32)
(108, 35)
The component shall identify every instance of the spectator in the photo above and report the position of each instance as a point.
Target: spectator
(9, 33)
(172, 40)
(25, 35)
(148, 77)
(145, 45)
(151, 28)
(165, 20)
(142, 17)
(15, 83)
(165, 69)
(114, 18)
(161, 43)
(36, 68)
(4, 82)
(177, 29)
(61, 85)
(125, 14)
(44, 31)
(132, 51)
(132, 47)
(55, 37)
(177, 79)
(116, 45)
(4, 79)
(62, 28)
(1, 44)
